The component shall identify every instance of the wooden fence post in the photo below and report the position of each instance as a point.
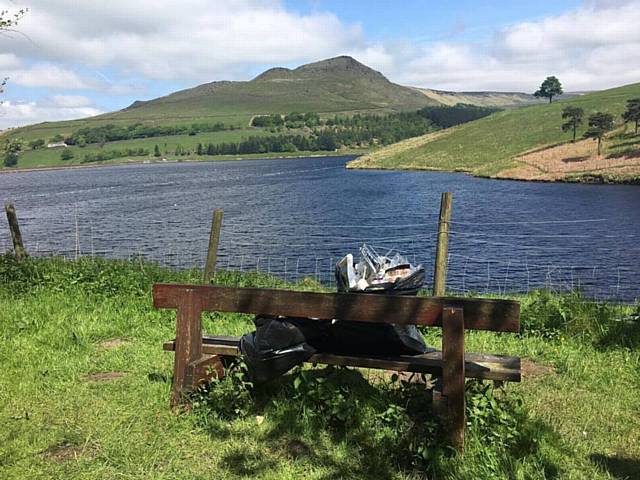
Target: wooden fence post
(442, 246)
(12, 218)
(214, 240)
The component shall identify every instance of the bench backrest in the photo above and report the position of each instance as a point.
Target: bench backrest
(479, 313)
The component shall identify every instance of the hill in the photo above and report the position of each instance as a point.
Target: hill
(488, 99)
(338, 85)
(494, 146)
(482, 99)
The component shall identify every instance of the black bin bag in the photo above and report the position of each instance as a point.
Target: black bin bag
(279, 344)
(360, 338)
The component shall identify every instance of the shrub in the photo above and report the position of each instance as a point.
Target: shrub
(229, 397)
(10, 159)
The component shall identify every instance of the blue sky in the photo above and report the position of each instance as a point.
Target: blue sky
(465, 20)
(101, 56)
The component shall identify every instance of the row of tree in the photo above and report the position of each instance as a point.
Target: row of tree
(599, 123)
(112, 133)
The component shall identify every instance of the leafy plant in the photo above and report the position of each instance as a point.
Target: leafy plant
(325, 397)
(229, 397)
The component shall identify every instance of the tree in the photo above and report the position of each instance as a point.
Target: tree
(632, 113)
(10, 159)
(11, 152)
(66, 154)
(573, 117)
(36, 144)
(549, 88)
(599, 124)
(199, 149)
(156, 151)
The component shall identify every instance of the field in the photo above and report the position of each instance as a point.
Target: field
(84, 389)
(490, 145)
(48, 157)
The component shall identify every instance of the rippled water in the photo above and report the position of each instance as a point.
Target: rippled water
(295, 218)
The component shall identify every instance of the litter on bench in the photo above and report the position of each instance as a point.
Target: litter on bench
(379, 273)
(281, 343)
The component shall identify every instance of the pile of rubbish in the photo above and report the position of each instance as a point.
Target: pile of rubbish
(280, 343)
(378, 273)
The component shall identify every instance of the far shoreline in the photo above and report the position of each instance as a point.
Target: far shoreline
(171, 161)
(586, 179)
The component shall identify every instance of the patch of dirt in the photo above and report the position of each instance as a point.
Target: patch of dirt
(103, 376)
(530, 369)
(113, 343)
(63, 452)
(556, 163)
(296, 449)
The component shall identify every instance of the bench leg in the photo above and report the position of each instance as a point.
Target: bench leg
(453, 372)
(188, 346)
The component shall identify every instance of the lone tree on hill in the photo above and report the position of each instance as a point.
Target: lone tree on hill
(156, 151)
(549, 88)
(632, 113)
(599, 124)
(573, 117)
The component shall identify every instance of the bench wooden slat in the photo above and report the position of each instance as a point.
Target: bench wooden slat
(479, 314)
(482, 366)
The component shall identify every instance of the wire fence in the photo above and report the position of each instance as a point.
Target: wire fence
(484, 257)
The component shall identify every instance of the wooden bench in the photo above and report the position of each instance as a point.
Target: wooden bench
(197, 355)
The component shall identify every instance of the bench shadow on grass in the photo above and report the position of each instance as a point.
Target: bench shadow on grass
(618, 467)
(354, 447)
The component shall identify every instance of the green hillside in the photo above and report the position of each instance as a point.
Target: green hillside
(222, 112)
(336, 85)
(488, 146)
(339, 85)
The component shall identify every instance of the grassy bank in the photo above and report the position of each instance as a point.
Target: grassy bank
(84, 390)
(491, 145)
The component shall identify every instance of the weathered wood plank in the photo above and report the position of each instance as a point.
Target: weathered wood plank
(481, 366)
(480, 314)
(453, 372)
(188, 345)
(205, 369)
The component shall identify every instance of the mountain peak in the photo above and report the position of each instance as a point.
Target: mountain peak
(343, 63)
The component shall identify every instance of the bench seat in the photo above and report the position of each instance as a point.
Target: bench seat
(477, 365)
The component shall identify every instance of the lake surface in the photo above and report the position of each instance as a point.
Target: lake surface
(296, 218)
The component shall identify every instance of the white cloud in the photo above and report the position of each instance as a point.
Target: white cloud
(70, 101)
(46, 75)
(14, 114)
(178, 39)
(595, 46)
(190, 41)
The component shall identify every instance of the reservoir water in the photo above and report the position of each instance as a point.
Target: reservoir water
(296, 218)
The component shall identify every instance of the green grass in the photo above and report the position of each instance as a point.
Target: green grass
(576, 419)
(487, 146)
(49, 157)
